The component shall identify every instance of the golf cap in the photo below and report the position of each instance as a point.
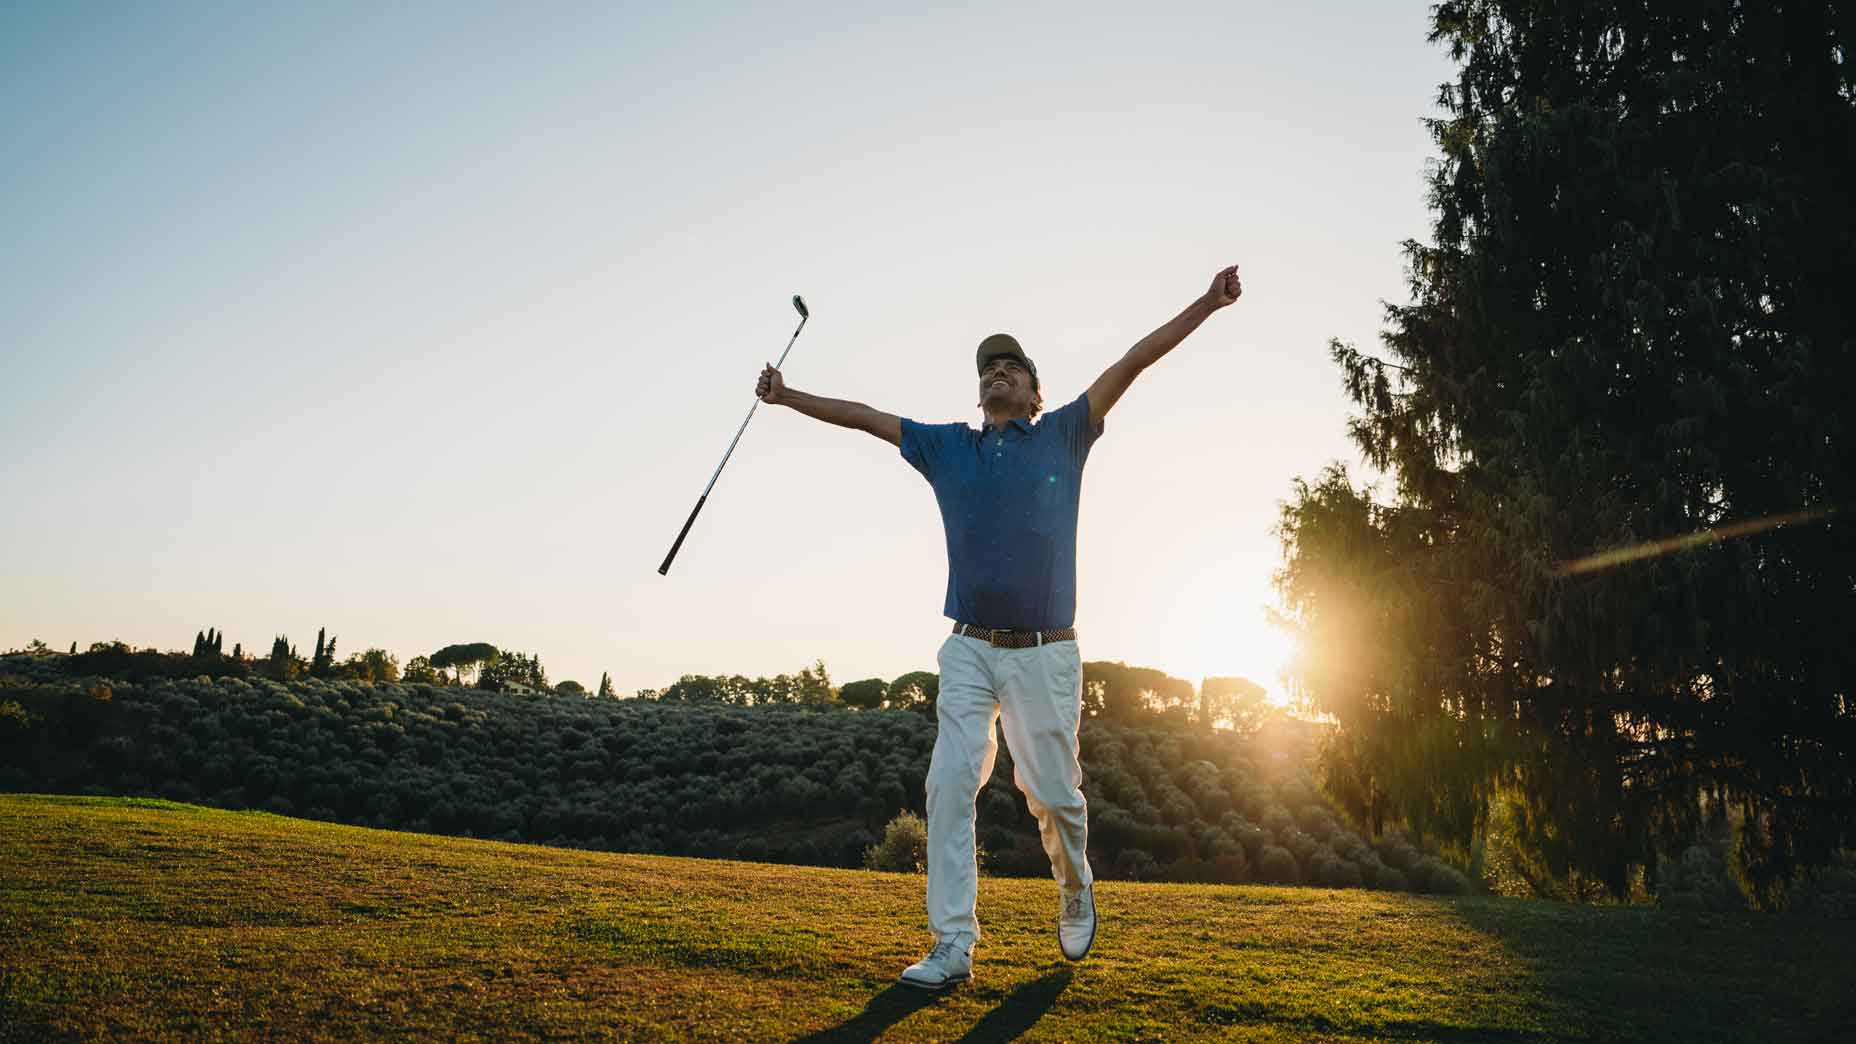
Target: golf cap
(1004, 344)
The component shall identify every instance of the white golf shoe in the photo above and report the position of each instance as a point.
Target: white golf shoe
(1076, 922)
(948, 964)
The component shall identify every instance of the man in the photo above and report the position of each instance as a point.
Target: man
(1008, 495)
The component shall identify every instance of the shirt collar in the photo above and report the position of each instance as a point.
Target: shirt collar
(1020, 423)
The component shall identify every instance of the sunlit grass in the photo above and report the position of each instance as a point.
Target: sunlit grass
(151, 920)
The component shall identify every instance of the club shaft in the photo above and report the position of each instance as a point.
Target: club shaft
(664, 570)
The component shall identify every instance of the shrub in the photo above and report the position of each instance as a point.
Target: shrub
(904, 848)
(1249, 835)
(1135, 865)
(1387, 879)
(1315, 821)
(1830, 891)
(1299, 845)
(1433, 875)
(1277, 820)
(1397, 853)
(1233, 868)
(1347, 845)
(1277, 866)
(1192, 870)
(1700, 880)
(1331, 871)
(1254, 799)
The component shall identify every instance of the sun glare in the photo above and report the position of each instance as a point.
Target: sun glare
(1238, 641)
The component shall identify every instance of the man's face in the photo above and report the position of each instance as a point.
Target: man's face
(1005, 386)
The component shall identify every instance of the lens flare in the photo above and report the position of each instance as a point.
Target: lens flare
(1669, 545)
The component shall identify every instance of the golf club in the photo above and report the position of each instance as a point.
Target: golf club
(799, 305)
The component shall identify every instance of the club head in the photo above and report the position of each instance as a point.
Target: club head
(800, 304)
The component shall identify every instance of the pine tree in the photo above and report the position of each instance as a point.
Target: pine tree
(199, 643)
(605, 685)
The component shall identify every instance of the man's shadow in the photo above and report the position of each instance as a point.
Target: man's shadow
(1014, 1015)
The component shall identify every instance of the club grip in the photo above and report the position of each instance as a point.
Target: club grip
(664, 570)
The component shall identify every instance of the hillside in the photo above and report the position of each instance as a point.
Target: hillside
(154, 920)
(779, 784)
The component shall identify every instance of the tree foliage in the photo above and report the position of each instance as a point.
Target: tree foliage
(867, 694)
(1122, 693)
(470, 656)
(1633, 325)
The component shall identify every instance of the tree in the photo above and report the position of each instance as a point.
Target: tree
(570, 688)
(419, 669)
(208, 643)
(814, 685)
(513, 671)
(916, 691)
(1630, 335)
(1122, 693)
(605, 686)
(377, 665)
(461, 658)
(864, 695)
(283, 664)
(1239, 702)
(694, 688)
(322, 664)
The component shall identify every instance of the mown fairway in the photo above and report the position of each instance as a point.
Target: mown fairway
(147, 919)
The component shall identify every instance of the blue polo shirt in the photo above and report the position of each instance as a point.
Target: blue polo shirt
(1008, 500)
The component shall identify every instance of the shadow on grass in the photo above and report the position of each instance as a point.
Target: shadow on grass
(884, 1010)
(1641, 973)
(1014, 1015)
(1020, 1011)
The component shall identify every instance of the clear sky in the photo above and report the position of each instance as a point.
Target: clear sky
(429, 324)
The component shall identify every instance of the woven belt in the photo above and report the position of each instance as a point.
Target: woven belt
(1016, 639)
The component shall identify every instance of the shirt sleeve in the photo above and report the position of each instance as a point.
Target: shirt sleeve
(1072, 421)
(925, 445)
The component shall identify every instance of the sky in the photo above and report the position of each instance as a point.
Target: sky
(429, 324)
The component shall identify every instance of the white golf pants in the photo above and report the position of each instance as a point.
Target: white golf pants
(1038, 695)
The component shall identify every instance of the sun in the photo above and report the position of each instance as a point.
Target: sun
(1237, 639)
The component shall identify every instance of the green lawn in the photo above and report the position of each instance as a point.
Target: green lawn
(133, 919)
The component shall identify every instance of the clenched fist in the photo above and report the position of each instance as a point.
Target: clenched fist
(771, 388)
(1226, 287)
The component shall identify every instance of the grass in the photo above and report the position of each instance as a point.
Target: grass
(141, 919)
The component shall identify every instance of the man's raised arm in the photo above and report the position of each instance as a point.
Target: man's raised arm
(1106, 391)
(773, 391)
